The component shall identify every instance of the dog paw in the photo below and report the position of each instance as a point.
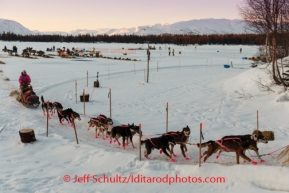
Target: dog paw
(262, 161)
(96, 136)
(88, 128)
(254, 163)
(217, 157)
(103, 138)
(110, 142)
(173, 160)
(107, 136)
(161, 151)
(201, 156)
(134, 147)
(147, 157)
(186, 158)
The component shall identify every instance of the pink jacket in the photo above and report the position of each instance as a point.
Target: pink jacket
(25, 78)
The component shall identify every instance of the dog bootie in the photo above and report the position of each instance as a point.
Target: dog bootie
(217, 157)
(174, 155)
(146, 156)
(97, 137)
(186, 158)
(201, 156)
(161, 151)
(88, 128)
(262, 161)
(173, 160)
(110, 141)
(254, 163)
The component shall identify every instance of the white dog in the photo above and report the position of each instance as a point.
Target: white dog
(282, 154)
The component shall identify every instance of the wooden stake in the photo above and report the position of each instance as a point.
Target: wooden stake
(87, 78)
(200, 145)
(157, 66)
(76, 91)
(134, 67)
(74, 128)
(140, 135)
(148, 64)
(257, 121)
(110, 103)
(179, 65)
(84, 100)
(47, 115)
(167, 118)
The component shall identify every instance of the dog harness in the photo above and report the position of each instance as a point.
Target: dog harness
(220, 142)
(152, 143)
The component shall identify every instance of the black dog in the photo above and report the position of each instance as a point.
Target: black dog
(163, 142)
(124, 131)
(67, 114)
(46, 106)
(181, 138)
(57, 106)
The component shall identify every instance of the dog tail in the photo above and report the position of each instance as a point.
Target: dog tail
(206, 144)
(42, 99)
(282, 154)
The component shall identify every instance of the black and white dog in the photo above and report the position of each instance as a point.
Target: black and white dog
(163, 142)
(46, 106)
(57, 106)
(124, 131)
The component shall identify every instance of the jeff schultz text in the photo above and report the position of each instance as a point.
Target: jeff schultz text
(88, 178)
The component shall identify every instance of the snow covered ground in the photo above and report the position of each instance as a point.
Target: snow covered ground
(197, 88)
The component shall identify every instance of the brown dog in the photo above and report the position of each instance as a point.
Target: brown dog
(230, 145)
(180, 138)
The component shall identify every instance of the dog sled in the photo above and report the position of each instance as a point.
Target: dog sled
(28, 97)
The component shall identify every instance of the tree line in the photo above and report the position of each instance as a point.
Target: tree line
(229, 39)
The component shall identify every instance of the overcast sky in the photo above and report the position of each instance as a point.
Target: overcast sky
(67, 15)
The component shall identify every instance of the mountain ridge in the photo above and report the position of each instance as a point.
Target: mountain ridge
(193, 27)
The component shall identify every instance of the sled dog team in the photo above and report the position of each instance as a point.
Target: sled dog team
(165, 142)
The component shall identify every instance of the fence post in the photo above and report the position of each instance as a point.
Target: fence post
(47, 120)
(200, 144)
(167, 118)
(72, 116)
(110, 103)
(140, 135)
(84, 100)
(76, 91)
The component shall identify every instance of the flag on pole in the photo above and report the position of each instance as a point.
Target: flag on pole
(201, 130)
